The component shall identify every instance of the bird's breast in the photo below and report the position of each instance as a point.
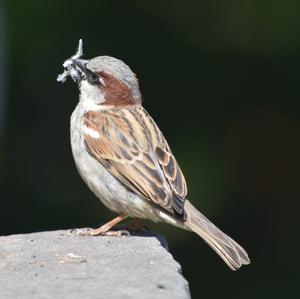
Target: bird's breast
(106, 187)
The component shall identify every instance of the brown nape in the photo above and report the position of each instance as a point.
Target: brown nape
(116, 92)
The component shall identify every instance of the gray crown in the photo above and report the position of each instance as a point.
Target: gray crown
(118, 69)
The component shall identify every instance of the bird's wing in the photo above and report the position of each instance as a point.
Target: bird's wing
(130, 145)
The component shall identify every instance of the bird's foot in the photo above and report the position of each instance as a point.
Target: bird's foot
(81, 231)
(104, 230)
(117, 233)
(97, 232)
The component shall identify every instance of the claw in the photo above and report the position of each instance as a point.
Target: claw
(117, 233)
(81, 232)
(91, 232)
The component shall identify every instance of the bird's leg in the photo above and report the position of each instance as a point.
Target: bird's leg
(104, 229)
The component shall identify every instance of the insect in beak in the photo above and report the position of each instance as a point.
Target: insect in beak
(74, 67)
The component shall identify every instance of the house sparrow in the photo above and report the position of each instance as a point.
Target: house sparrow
(124, 158)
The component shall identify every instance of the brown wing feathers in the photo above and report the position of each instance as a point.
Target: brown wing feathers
(137, 154)
(134, 154)
(168, 163)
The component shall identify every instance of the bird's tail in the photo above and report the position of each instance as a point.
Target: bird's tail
(231, 252)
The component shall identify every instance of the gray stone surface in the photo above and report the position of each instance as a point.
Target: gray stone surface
(59, 264)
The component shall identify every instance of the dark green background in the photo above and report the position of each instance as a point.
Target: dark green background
(221, 78)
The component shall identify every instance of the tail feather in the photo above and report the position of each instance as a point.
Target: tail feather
(231, 252)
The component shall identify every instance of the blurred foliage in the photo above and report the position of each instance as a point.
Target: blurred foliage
(221, 80)
(257, 27)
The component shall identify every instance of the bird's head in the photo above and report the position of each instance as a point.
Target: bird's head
(104, 80)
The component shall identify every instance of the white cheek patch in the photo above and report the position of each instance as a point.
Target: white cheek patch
(91, 132)
(91, 92)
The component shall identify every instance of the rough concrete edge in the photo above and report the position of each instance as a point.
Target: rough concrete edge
(159, 238)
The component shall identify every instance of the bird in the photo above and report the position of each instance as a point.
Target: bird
(125, 160)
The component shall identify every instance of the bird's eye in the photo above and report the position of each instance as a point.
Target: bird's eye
(93, 78)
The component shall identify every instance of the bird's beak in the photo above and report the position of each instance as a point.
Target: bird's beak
(79, 71)
(74, 67)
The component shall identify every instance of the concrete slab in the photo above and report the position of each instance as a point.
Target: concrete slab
(59, 264)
